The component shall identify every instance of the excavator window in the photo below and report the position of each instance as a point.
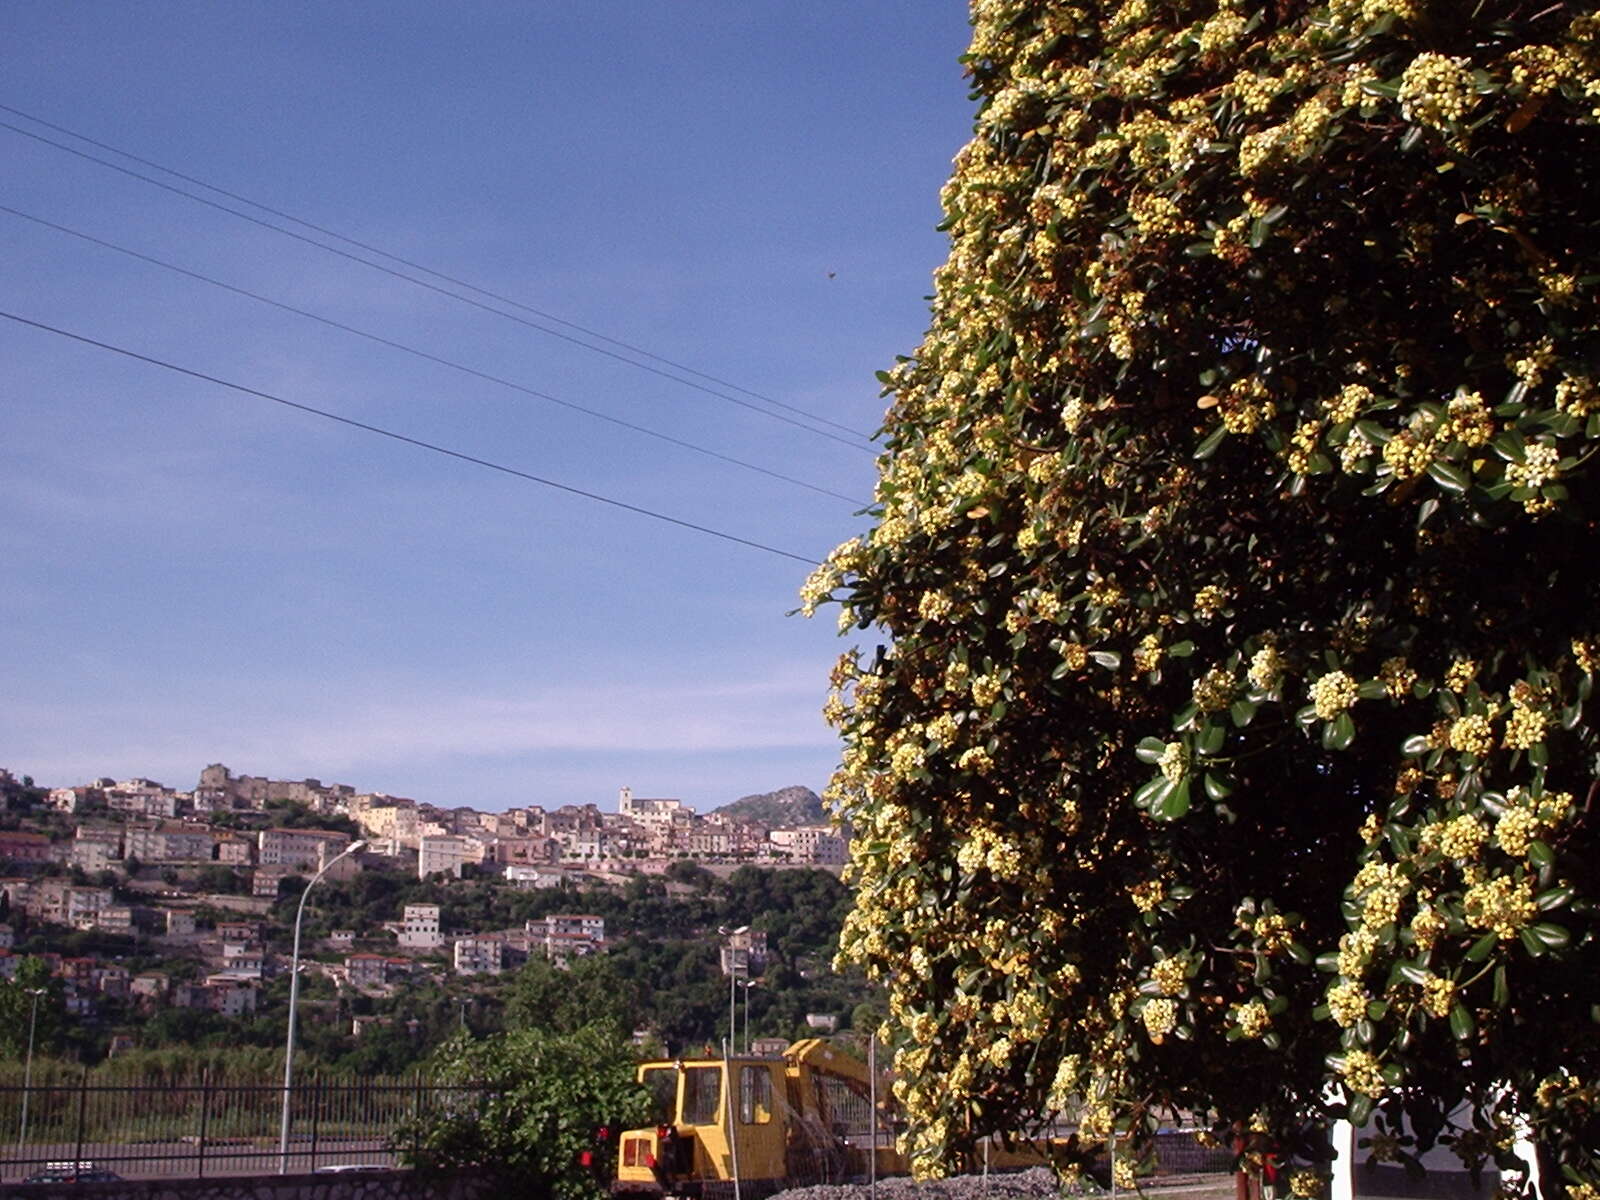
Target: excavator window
(702, 1095)
(662, 1084)
(755, 1095)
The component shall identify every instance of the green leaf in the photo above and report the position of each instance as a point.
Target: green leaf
(1217, 788)
(1502, 990)
(1484, 946)
(1461, 1023)
(1360, 1110)
(1553, 936)
(1540, 854)
(1109, 659)
(1153, 792)
(1553, 898)
(1415, 745)
(1532, 943)
(1150, 749)
(1339, 733)
(1242, 712)
(1449, 476)
(1180, 650)
(1175, 803)
(1209, 446)
(1412, 973)
(1212, 738)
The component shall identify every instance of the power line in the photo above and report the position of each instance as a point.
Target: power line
(423, 354)
(400, 437)
(432, 287)
(350, 241)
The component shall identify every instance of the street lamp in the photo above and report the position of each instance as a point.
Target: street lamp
(294, 995)
(746, 984)
(27, 1070)
(733, 979)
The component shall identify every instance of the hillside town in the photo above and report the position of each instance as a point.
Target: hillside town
(195, 875)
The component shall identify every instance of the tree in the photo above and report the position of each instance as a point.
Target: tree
(589, 992)
(530, 1105)
(1231, 745)
(20, 1008)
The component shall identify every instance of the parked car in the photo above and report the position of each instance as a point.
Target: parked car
(73, 1172)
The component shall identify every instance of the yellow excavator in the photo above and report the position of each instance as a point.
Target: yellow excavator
(796, 1120)
(803, 1118)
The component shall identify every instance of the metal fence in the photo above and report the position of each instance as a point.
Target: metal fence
(202, 1128)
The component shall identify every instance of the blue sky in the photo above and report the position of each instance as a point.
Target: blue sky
(195, 575)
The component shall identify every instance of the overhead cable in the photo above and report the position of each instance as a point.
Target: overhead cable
(852, 442)
(423, 354)
(400, 437)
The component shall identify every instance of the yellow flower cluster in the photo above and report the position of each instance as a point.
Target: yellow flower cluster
(1461, 673)
(1209, 601)
(1408, 454)
(1398, 679)
(1501, 905)
(1266, 668)
(1526, 727)
(1438, 996)
(1333, 694)
(1255, 93)
(1437, 90)
(1274, 932)
(1075, 655)
(1246, 405)
(1147, 895)
(1160, 1018)
(1467, 420)
(985, 690)
(1169, 975)
(1147, 654)
(1577, 396)
(1305, 1185)
(1472, 735)
(1174, 761)
(1221, 32)
(1427, 927)
(1252, 1019)
(1215, 690)
(1586, 653)
(1347, 1002)
(1350, 401)
(1541, 465)
(1362, 1073)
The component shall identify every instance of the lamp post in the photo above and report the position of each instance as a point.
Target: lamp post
(294, 996)
(733, 980)
(27, 1070)
(745, 985)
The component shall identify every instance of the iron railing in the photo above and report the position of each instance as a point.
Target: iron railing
(205, 1128)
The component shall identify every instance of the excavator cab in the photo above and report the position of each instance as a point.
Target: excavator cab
(802, 1118)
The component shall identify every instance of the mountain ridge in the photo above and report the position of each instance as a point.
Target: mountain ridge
(792, 805)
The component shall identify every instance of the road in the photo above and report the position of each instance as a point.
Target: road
(181, 1160)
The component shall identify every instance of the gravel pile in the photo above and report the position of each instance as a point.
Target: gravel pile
(1040, 1183)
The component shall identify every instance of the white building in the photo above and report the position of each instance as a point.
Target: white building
(447, 853)
(818, 844)
(480, 956)
(420, 929)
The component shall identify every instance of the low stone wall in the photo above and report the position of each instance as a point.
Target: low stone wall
(353, 1185)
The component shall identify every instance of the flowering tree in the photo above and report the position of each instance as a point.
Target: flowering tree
(1230, 746)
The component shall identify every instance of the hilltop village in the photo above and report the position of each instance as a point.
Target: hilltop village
(140, 898)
